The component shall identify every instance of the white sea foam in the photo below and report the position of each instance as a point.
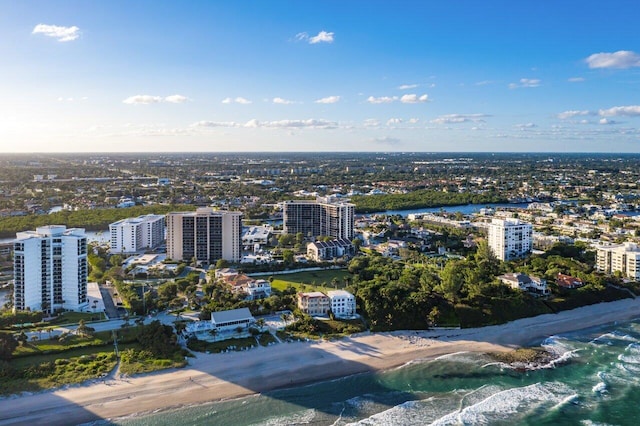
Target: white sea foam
(599, 388)
(504, 403)
(300, 418)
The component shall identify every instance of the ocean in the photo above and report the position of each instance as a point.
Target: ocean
(595, 380)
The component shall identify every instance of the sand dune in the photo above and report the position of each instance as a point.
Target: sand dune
(231, 375)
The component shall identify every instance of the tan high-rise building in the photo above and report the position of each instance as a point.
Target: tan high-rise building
(206, 234)
(624, 258)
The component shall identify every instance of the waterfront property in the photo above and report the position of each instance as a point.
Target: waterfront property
(50, 269)
(232, 319)
(623, 258)
(533, 285)
(314, 303)
(343, 303)
(567, 281)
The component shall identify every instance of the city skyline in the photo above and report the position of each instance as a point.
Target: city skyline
(332, 76)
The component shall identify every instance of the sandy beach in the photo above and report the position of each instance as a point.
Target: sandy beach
(231, 375)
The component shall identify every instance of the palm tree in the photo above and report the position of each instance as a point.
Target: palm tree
(214, 333)
(284, 317)
(260, 323)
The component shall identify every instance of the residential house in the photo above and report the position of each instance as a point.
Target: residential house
(533, 285)
(343, 303)
(567, 281)
(232, 319)
(327, 250)
(314, 303)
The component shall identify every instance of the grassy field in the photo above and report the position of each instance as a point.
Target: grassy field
(312, 280)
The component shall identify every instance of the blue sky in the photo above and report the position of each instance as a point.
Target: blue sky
(274, 75)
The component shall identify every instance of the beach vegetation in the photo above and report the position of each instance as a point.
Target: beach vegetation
(313, 328)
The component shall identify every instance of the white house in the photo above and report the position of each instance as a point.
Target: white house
(232, 319)
(528, 283)
(343, 303)
(258, 289)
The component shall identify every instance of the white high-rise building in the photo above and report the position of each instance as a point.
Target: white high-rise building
(619, 257)
(206, 234)
(137, 233)
(50, 269)
(510, 238)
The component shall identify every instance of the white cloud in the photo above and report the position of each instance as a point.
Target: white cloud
(414, 120)
(282, 101)
(148, 99)
(328, 100)
(205, 123)
(394, 121)
(386, 140)
(413, 99)
(57, 32)
(573, 113)
(176, 99)
(460, 118)
(371, 122)
(627, 111)
(576, 79)
(142, 100)
(322, 37)
(620, 59)
(238, 100)
(381, 99)
(526, 126)
(525, 82)
(606, 121)
(407, 86)
(312, 123)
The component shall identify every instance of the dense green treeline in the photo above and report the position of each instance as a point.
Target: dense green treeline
(92, 220)
(421, 199)
(395, 295)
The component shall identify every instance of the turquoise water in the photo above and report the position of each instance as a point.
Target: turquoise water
(595, 381)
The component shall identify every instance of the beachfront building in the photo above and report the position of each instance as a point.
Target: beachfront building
(232, 319)
(206, 235)
(567, 281)
(327, 250)
(510, 238)
(137, 233)
(314, 303)
(343, 303)
(50, 269)
(325, 216)
(529, 283)
(623, 258)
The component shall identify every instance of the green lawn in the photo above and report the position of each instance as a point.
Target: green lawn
(75, 317)
(311, 280)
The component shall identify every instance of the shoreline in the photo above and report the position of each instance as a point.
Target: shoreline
(228, 376)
